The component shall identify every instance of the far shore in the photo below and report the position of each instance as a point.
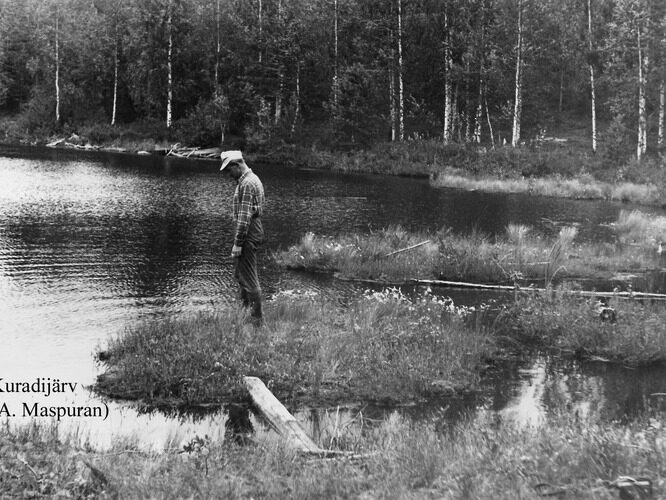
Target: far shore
(544, 170)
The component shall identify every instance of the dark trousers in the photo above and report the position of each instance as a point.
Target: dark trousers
(248, 278)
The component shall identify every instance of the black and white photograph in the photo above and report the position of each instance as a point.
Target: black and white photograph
(333, 249)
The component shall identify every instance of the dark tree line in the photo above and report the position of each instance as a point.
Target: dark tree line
(343, 71)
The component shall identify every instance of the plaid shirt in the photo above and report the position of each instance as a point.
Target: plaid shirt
(248, 207)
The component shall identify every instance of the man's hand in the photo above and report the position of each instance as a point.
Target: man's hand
(236, 251)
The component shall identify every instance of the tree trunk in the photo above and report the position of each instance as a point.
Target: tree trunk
(448, 85)
(468, 106)
(391, 77)
(479, 113)
(57, 65)
(169, 68)
(591, 66)
(518, 104)
(662, 103)
(490, 125)
(218, 46)
(401, 90)
(642, 113)
(561, 100)
(261, 29)
(335, 57)
(115, 80)
(297, 98)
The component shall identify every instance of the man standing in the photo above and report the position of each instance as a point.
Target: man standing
(249, 232)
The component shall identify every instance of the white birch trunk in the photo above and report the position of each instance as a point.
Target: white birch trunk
(448, 86)
(561, 100)
(57, 66)
(518, 103)
(261, 28)
(479, 113)
(592, 88)
(401, 91)
(297, 98)
(169, 69)
(218, 46)
(335, 57)
(662, 104)
(490, 124)
(391, 81)
(641, 147)
(468, 108)
(115, 81)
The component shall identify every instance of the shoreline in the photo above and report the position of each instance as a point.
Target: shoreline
(442, 170)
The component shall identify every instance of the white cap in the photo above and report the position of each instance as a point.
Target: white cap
(229, 156)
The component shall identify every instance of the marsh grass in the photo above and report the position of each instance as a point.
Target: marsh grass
(480, 458)
(382, 347)
(520, 254)
(558, 253)
(636, 227)
(571, 323)
(583, 187)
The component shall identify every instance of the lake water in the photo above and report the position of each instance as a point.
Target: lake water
(92, 243)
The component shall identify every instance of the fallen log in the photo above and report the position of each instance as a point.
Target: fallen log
(583, 293)
(279, 418)
(408, 248)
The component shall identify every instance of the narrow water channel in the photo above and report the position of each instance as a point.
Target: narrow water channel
(93, 243)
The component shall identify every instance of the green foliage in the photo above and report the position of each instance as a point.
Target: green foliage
(206, 123)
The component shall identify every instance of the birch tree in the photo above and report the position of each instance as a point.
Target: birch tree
(593, 96)
(448, 78)
(401, 94)
(641, 146)
(56, 57)
(518, 98)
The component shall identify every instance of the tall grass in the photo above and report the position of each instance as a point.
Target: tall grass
(381, 347)
(557, 254)
(572, 324)
(521, 254)
(481, 458)
(640, 228)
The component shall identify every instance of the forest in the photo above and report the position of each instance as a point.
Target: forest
(337, 73)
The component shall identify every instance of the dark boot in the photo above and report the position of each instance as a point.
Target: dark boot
(245, 298)
(256, 309)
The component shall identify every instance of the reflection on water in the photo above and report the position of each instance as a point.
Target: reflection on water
(91, 244)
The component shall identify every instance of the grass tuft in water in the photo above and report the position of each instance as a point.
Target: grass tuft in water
(520, 254)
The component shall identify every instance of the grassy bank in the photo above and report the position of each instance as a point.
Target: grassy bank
(382, 347)
(569, 456)
(520, 255)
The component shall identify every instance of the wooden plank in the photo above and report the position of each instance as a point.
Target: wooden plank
(279, 417)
